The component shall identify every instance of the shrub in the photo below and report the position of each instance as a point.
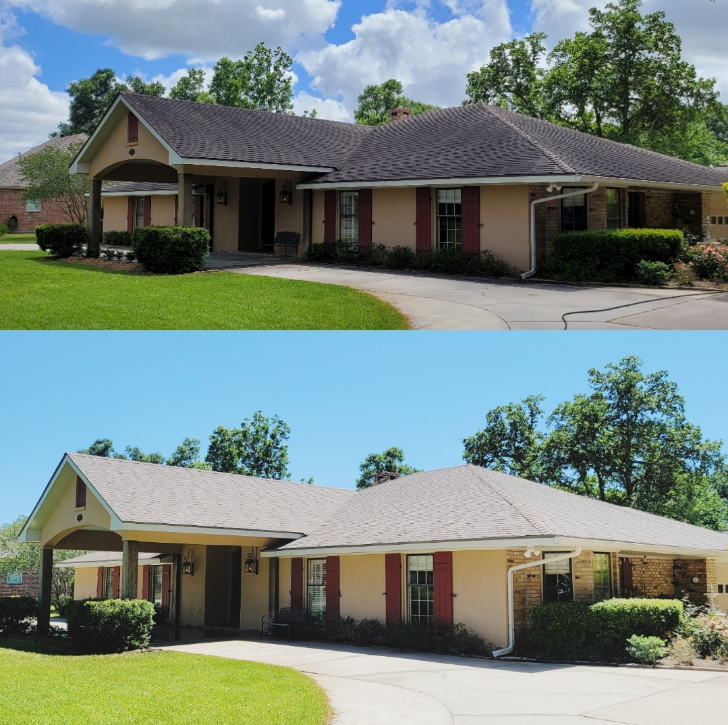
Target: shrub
(3, 230)
(708, 635)
(62, 240)
(612, 255)
(171, 250)
(16, 613)
(646, 650)
(62, 604)
(111, 625)
(400, 257)
(455, 261)
(652, 272)
(117, 239)
(682, 652)
(683, 274)
(574, 631)
(708, 261)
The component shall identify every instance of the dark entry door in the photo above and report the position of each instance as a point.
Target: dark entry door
(268, 212)
(236, 570)
(637, 212)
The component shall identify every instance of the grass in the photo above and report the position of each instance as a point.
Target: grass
(19, 239)
(40, 294)
(152, 687)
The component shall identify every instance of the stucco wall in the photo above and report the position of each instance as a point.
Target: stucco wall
(317, 223)
(361, 585)
(289, 217)
(192, 594)
(254, 600)
(394, 212)
(116, 210)
(722, 578)
(225, 218)
(85, 582)
(504, 214)
(284, 583)
(718, 208)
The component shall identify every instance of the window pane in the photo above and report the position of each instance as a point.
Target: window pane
(574, 215)
(157, 585)
(109, 583)
(32, 206)
(602, 577)
(139, 221)
(420, 588)
(349, 213)
(557, 581)
(449, 218)
(614, 209)
(316, 587)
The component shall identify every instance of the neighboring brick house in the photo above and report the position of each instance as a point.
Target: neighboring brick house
(19, 584)
(23, 216)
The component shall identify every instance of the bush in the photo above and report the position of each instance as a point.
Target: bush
(117, 239)
(455, 261)
(646, 650)
(62, 240)
(708, 261)
(653, 273)
(612, 255)
(708, 635)
(400, 257)
(3, 230)
(576, 631)
(15, 613)
(111, 625)
(171, 250)
(683, 274)
(62, 605)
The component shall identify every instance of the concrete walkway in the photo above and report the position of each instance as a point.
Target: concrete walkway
(381, 687)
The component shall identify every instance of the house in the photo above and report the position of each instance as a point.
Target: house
(22, 216)
(128, 205)
(447, 546)
(473, 177)
(19, 584)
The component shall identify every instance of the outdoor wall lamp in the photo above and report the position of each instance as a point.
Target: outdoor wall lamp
(251, 563)
(529, 551)
(188, 566)
(221, 197)
(286, 196)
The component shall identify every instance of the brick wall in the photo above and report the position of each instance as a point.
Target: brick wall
(548, 222)
(12, 205)
(29, 587)
(597, 205)
(658, 210)
(582, 569)
(526, 590)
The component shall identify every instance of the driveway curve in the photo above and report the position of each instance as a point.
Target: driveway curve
(382, 687)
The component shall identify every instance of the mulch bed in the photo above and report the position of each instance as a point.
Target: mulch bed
(116, 265)
(49, 644)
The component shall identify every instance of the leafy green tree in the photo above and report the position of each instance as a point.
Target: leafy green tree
(192, 87)
(90, 98)
(258, 448)
(102, 447)
(262, 80)
(391, 460)
(187, 455)
(627, 442)
(137, 85)
(374, 102)
(133, 453)
(45, 175)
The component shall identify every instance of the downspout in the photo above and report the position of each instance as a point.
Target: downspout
(511, 613)
(532, 271)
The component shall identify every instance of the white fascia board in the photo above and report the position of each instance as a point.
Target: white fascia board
(255, 165)
(472, 181)
(640, 184)
(130, 526)
(137, 193)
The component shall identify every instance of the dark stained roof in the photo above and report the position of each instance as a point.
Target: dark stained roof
(10, 176)
(206, 131)
(138, 187)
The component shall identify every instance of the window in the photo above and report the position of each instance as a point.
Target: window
(557, 580)
(714, 220)
(32, 206)
(720, 220)
(139, 204)
(614, 209)
(450, 218)
(316, 588)
(420, 588)
(636, 209)
(80, 493)
(109, 581)
(720, 587)
(349, 217)
(155, 585)
(133, 136)
(602, 577)
(14, 579)
(574, 217)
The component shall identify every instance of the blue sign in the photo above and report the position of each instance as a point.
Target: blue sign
(15, 579)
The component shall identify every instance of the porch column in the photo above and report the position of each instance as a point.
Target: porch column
(129, 569)
(185, 200)
(272, 587)
(307, 218)
(44, 594)
(94, 218)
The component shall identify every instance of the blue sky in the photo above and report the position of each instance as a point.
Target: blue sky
(344, 395)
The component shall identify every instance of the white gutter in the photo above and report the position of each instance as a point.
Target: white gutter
(532, 271)
(511, 608)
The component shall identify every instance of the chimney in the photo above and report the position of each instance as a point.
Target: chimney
(398, 114)
(383, 477)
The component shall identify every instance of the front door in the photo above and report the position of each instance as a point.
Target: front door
(268, 212)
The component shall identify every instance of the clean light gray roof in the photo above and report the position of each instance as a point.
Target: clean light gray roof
(138, 187)
(10, 176)
(147, 493)
(470, 503)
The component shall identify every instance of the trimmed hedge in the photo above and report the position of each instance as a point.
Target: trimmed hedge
(15, 613)
(62, 240)
(111, 625)
(117, 239)
(171, 250)
(576, 631)
(612, 255)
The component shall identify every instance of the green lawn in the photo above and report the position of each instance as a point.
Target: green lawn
(19, 239)
(158, 688)
(39, 294)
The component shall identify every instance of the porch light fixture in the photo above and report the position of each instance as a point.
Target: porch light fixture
(188, 566)
(251, 563)
(531, 551)
(221, 197)
(286, 196)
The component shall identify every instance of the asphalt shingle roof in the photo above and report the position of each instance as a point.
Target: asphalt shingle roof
(10, 176)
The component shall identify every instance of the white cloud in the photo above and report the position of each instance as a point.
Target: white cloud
(429, 58)
(328, 108)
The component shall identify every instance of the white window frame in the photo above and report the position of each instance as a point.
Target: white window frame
(457, 192)
(350, 235)
(316, 588)
(32, 206)
(620, 218)
(609, 587)
(560, 567)
(429, 561)
(108, 582)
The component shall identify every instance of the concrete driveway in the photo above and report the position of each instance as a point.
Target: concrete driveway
(380, 687)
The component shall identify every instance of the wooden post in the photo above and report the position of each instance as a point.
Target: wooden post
(273, 587)
(94, 218)
(44, 594)
(184, 205)
(307, 218)
(129, 569)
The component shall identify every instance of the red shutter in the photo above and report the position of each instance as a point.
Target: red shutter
(297, 583)
(133, 136)
(365, 218)
(330, 234)
(145, 583)
(130, 214)
(147, 211)
(471, 219)
(100, 583)
(117, 582)
(166, 581)
(443, 589)
(80, 493)
(424, 219)
(333, 583)
(393, 585)
(176, 209)
(625, 577)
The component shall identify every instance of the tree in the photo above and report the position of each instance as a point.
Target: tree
(258, 448)
(262, 80)
(627, 442)
(135, 84)
(90, 98)
(374, 102)
(102, 447)
(133, 453)
(45, 175)
(391, 460)
(192, 88)
(187, 455)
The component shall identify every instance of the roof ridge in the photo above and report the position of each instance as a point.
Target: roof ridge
(523, 134)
